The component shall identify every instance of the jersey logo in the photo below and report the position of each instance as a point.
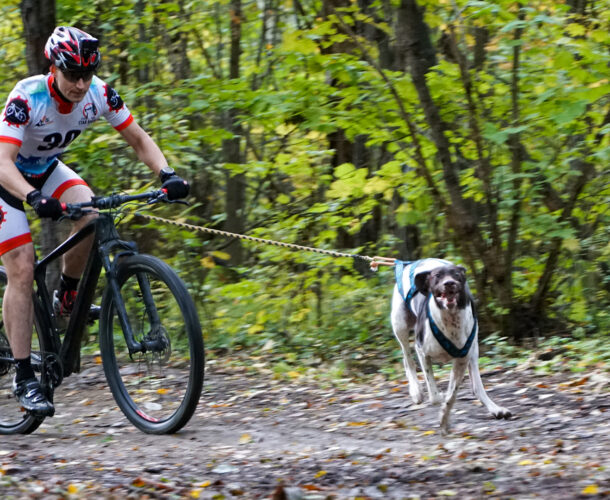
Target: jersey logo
(115, 103)
(2, 215)
(89, 114)
(43, 121)
(17, 112)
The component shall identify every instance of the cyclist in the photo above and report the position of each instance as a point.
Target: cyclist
(42, 116)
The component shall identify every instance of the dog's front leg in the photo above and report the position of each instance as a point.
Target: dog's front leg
(455, 378)
(402, 327)
(479, 389)
(436, 397)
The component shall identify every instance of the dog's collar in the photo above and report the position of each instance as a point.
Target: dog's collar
(445, 343)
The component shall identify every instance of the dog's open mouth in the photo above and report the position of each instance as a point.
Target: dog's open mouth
(447, 299)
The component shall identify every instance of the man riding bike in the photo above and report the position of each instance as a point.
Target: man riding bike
(42, 116)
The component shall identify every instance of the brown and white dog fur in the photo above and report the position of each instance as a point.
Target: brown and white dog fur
(452, 308)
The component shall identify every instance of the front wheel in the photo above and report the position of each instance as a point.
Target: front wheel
(157, 388)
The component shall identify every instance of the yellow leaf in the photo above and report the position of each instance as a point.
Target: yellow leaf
(195, 493)
(320, 474)
(293, 374)
(428, 433)
(245, 438)
(207, 262)
(592, 489)
(526, 462)
(98, 360)
(162, 391)
(255, 329)
(205, 484)
(72, 489)
(356, 424)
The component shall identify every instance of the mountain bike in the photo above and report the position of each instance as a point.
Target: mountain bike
(150, 338)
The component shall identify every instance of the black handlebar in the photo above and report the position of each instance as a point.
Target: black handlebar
(78, 210)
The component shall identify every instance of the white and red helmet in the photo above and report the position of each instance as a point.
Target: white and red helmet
(72, 49)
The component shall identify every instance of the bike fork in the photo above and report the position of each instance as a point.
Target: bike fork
(150, 343)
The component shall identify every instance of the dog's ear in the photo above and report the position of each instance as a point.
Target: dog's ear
(421, 282)
(462, 270)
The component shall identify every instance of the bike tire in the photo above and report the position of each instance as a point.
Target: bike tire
(159, 391)
(13, 418)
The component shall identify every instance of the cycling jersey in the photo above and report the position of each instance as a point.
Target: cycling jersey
(38, 120)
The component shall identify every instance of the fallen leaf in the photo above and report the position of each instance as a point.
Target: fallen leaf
(447, 493)
(311, 487)
(72, 489)
(592, 489)
(320, 474)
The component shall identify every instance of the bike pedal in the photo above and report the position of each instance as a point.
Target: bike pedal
(94, 314)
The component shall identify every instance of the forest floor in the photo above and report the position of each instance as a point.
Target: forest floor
(257, 436)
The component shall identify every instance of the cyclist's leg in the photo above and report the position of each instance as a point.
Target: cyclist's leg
(17, 255)
(17, 306)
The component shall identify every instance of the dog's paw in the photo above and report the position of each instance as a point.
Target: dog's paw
(444, 420)
(416, 394)
(437, 399)
(502, 413)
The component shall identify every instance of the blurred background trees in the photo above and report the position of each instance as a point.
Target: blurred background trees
(471, 130)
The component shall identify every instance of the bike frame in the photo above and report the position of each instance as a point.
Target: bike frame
(106, 243)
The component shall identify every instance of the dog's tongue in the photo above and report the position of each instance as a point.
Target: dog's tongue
(450, 299)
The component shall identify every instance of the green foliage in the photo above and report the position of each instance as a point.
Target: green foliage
(302, 81)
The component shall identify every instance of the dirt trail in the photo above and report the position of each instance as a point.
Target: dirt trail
(252, 433)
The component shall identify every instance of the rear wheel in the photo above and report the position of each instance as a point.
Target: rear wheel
(13, 418)
(157, 389)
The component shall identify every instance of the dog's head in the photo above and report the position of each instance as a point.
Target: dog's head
(447, 284)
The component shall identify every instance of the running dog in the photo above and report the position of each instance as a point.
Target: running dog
(432, 298)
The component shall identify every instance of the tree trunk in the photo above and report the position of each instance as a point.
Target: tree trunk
(236, 183)
(38, 18)
(175, 39)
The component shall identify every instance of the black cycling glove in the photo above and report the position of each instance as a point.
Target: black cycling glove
(44, 206)
(175, 186)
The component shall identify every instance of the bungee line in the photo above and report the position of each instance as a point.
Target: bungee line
(374, 262)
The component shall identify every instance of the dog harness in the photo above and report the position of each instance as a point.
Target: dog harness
(399, 268)
(450, 348)
(445, 343)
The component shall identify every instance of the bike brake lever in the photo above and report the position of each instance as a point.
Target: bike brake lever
(157, 199)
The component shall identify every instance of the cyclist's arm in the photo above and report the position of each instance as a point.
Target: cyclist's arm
(10, 177)
(147, 150)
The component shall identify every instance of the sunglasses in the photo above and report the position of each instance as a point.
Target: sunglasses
(75, 76)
